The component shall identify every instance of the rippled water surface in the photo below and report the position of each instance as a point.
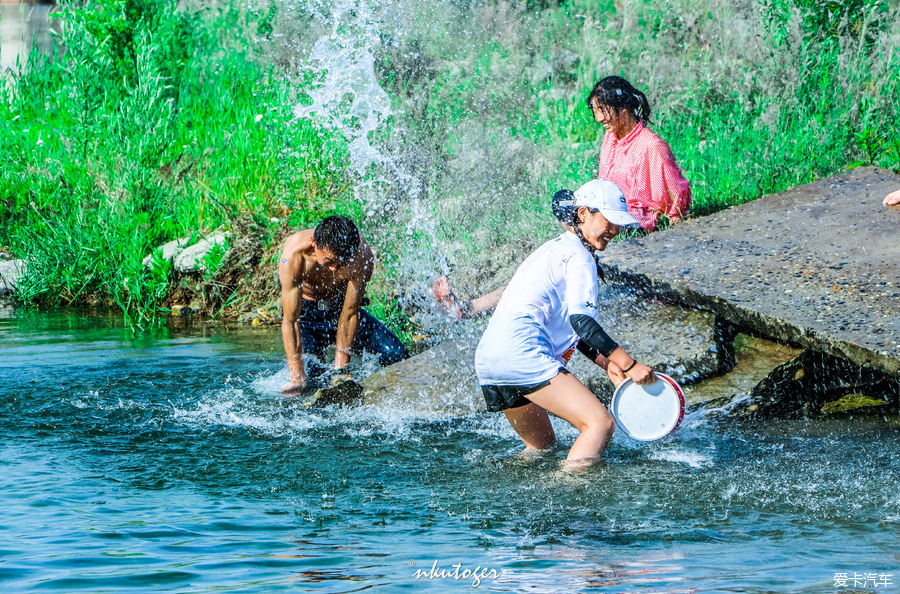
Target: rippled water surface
(168, 463)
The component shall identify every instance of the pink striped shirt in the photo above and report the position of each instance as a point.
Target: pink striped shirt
(644, 168)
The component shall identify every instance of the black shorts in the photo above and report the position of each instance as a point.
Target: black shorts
(500, 398)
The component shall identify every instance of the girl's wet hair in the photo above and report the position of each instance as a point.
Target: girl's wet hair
(562, 204)
(617, 93)
(576, 223)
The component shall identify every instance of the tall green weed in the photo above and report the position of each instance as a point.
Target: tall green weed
(159, 122)
(150, 122)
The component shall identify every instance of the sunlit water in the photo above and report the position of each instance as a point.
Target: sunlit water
(168, 463)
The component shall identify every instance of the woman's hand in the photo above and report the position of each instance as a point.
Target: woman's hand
(641, 374)
(447, 300)
(892, 198)
(615, 373)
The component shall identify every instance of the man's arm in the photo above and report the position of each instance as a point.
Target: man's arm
(460, 308)
(348, 322)
(292, 304)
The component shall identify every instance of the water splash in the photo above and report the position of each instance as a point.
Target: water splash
(347, 96)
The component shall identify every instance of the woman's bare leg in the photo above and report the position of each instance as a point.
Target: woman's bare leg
(532, 423)
(568, 399)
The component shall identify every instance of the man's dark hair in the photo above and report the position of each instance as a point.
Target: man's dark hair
(576, 223)
(617, 93)
(562, 204)
(338, 234)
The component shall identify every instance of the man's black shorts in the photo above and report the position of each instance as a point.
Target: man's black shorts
(500, 398)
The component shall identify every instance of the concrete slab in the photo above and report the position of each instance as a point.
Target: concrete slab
(817, 266)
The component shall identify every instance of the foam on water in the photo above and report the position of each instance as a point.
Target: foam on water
(681, 456)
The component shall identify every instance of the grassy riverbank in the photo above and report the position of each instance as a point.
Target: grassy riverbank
(164, 123)
(157, 124)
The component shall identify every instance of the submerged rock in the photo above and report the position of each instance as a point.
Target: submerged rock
(682, 343)
(815, 384)
(852, 402)
(756, 358)
(344, 393)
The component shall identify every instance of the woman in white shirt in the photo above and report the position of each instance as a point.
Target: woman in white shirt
(547, 311)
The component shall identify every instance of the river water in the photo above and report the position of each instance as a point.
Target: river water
(167, 463)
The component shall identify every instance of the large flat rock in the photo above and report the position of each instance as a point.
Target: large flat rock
(440, 380)
(681, 342)
(817, 266)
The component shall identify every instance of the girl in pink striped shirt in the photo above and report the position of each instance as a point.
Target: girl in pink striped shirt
(636, 159)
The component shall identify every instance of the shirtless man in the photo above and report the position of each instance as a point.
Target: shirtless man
(323, 274)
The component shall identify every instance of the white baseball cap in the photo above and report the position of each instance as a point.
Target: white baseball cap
(605, 196)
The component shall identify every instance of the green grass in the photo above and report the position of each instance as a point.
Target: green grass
(753, 98)
(154, 124)
(814, 97)
(161, 123)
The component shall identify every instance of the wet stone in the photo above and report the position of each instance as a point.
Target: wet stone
(439, 380)
(756, 358)
(345, 393)
(853, 402)
(682, 343)
(815, 385)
